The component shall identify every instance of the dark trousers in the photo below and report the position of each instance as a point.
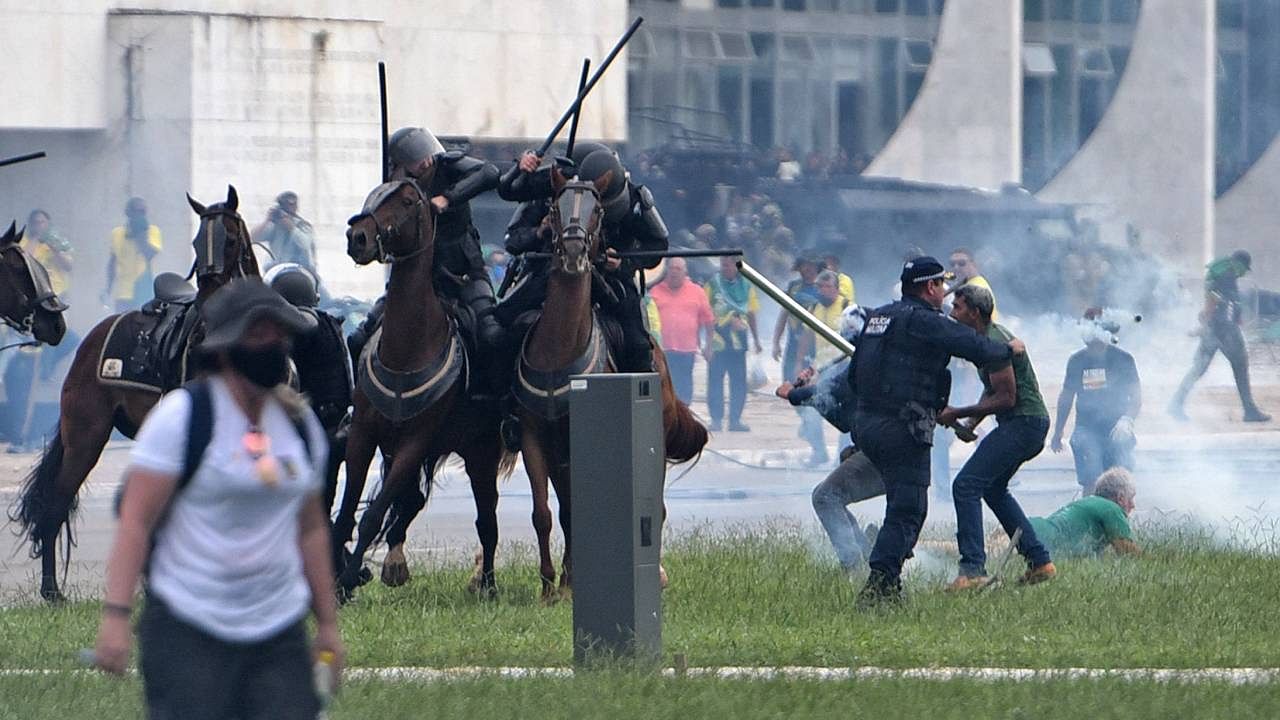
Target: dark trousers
(734, 364)
(985, 477)
(188, 674)
(903, 462)
(680, 365)
(1094, 452)
(1224, 336)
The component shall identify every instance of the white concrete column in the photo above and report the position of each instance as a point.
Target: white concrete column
(965, 126)
(1248, 215)
(1151, 159)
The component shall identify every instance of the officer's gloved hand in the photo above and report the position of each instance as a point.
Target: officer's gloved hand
(1122, 433)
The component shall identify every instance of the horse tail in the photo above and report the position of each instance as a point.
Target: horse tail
(37, 510)
(507, 464)
(685, 436)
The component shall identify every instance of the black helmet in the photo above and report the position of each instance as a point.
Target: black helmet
(615, 199)
(295, 283)
(407, 146)
(582, 150)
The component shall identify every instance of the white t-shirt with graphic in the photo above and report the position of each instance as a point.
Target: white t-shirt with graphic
(226, 558)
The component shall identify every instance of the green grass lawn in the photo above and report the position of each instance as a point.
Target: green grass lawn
(614, 695)
(775, 597)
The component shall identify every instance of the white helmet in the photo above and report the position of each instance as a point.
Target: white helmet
(852, 321)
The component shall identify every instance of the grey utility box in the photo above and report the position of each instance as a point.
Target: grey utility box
(617, 454)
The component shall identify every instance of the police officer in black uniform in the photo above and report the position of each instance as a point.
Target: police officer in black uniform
(901, 381)
(631, 222)
(459, 263)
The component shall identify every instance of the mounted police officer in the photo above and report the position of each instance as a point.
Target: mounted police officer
(901, 381)
(631, 222)
(459, 262)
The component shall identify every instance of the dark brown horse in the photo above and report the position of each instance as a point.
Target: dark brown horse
(411, 393)
(568, 339)
(91, 408)
(27, 301)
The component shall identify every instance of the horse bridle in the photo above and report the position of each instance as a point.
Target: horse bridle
(394, 233)
(209, 231)
(576, 222)
(30, 303)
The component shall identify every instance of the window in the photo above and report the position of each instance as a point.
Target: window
(763, 45)
(1091, 12)
(641, 46)
(729, 3)
(1231, 14)
(917, 54)
(664, 42)
(700, 44)
(1033, 10)
(729, 95)
(887, 52)
(849, 52)
(917, 7)
(762, 112)
(1124, 12)
(887, 6)
(1094, 62)
(762, 3)
(735, 46)
(797, 48)
(793, 5)
(1063, 9)
(1037, 60)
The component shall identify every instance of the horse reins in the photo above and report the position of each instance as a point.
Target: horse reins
(393, 232)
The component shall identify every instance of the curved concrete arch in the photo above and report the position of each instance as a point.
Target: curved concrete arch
(1248, 216)
(965, 126)
(1150, 160)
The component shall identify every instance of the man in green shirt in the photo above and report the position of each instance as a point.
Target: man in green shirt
(1013, 396)
(1092, 523)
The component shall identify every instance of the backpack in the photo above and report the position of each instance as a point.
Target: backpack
(199, 435)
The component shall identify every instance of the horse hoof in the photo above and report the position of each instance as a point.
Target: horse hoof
(485, 590)
(395, 574)
(364, 576)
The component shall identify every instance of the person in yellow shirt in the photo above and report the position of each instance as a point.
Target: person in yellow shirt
(49, 249)
(735, 305)
(967, 272)
(133, 246)
(831, 261)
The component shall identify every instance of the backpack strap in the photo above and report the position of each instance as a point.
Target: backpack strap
(199, 430)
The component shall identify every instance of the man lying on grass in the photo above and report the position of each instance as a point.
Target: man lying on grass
(1093, 523)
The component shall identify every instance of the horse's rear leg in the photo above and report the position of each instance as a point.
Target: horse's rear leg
(407, 504)
(82, 434)
(482, 470)
(535, 464)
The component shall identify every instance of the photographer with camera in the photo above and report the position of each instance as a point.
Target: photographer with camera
(289, 238)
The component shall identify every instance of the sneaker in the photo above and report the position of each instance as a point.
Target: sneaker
(738, 427)
(963, 583)
(1039, 574)
(876, 593)
(1256, 416)
(714, 426)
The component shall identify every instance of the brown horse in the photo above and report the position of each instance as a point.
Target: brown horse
(27, 301)
(411, 393)
(91, 408)
(568, 339)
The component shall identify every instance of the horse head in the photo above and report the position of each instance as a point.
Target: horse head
(222, 244)
(27, 300)
(575, 217)
(396, 223)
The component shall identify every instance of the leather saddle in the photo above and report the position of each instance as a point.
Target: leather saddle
(163, 347)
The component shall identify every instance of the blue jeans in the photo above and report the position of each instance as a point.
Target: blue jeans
(680, 365)
(1095, 453)
(986, 477)
(904, 464)
(854, 480)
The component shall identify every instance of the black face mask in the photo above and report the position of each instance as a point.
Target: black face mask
(265, 367)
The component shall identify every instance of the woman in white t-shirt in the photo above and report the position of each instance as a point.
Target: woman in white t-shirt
(241, 549)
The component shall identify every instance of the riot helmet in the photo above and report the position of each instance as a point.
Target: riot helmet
(410, 145)
(615, 199)
(295, 283)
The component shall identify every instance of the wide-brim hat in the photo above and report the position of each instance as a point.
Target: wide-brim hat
(235, 307)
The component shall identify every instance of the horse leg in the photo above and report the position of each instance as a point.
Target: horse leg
(560, 480)
(535, 464)
(360, 450)
(404, 469)
(407, 504)
(482, 470)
